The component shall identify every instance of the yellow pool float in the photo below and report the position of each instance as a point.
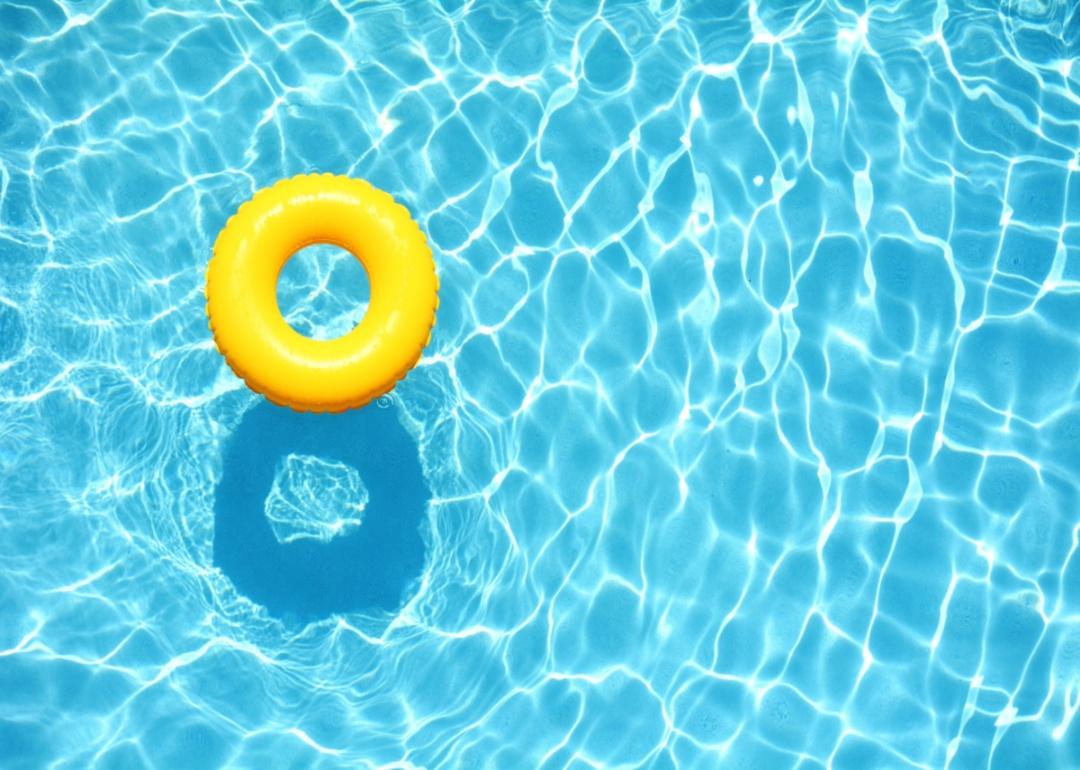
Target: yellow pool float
(241, 293)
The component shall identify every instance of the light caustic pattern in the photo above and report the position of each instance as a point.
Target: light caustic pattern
(751, 415)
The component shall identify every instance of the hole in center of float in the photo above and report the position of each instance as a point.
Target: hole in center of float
(323, 291)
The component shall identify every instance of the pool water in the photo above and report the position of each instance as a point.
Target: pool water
(748, 437)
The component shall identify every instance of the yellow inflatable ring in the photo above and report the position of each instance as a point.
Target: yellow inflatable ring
(241, 293)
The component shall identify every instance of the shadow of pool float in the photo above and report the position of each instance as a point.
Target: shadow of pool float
(369, 568)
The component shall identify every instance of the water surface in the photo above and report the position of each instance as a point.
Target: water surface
(748, 436)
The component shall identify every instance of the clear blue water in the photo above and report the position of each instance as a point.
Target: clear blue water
(749, 435)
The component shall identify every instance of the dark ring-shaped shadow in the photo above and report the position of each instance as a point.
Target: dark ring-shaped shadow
(368, 569)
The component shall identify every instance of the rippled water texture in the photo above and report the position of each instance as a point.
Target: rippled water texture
(748, 437)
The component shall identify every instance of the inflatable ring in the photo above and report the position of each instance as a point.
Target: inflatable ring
(241, 293)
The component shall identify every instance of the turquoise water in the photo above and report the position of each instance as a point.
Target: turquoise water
(749, 434)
